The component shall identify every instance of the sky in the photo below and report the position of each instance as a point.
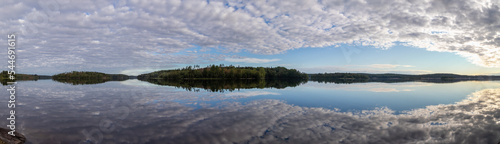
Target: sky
(372, 36)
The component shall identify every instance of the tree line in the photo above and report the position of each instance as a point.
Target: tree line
(390, 77)
(332, 76)
(225, 72)
(4, 75)
(82, 75)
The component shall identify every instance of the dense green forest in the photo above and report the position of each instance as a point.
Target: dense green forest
(81, 81)
(89, 75)
(4, 77)
(80, 77)
(225, 72)
(339, 76)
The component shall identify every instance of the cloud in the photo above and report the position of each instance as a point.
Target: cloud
(251, 60)
(102, 34)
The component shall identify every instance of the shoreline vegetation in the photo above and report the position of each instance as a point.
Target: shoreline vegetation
(220, 78)
(214, 72)
(223, 74)
(4, 77)
(81, 77)
(389, 77)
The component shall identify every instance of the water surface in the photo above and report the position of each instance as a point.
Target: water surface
(134, 111)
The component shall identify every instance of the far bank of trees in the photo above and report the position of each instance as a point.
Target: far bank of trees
(4, 75)
(327, 76)
(225, 72)
(390, 77)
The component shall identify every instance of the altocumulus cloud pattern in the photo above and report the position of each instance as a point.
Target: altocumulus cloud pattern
(126, 34)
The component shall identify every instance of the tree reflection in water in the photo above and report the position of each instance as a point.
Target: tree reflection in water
(228, 85)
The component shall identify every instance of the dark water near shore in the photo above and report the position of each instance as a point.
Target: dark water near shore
(134, 111)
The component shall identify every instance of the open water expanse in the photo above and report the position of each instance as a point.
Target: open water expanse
(134, 111)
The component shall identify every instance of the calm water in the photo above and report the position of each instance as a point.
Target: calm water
(135, 111)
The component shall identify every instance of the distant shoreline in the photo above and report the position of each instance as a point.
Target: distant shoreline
(327, 77)
(390, 77)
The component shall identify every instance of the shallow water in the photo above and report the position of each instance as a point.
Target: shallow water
(135, 111)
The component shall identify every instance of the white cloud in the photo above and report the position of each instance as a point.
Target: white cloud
(251, 60)
(127, 31)
(95, 42)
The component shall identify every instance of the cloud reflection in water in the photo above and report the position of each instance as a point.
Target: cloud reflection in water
(59, 113)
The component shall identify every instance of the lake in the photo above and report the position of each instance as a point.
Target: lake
(134, 111)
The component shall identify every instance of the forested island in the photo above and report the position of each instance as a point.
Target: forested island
(220, 78)
(365, 77)
(81, 77)
(225, 72)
